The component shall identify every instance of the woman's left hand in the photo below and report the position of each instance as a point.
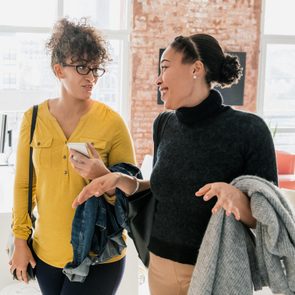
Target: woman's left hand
(88, 168)
(228, 197)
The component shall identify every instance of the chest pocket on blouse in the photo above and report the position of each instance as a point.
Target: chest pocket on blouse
(42, 151)
(100, 146)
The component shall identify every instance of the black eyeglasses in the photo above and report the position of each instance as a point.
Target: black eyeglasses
(84, 70)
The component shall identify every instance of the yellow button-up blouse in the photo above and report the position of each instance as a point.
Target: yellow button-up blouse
(56, 183)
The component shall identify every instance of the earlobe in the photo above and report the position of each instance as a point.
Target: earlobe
(195, 73)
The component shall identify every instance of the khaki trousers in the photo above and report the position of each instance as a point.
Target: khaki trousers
(167, 277)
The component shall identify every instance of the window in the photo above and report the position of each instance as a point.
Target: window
(26, 77)
(277, 76)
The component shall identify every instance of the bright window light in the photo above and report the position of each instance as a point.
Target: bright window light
(31, 13)
(279, 17)
(277, 83)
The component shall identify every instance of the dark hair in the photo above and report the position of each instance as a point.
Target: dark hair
(222, 69)
(80, 41)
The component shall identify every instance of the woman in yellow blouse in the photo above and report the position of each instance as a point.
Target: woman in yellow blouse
(78, 57)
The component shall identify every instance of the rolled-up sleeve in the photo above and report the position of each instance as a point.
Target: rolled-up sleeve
(22, 224)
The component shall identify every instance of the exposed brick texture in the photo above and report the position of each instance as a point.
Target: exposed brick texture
(235, 24)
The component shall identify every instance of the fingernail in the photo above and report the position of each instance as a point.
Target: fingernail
(205, 198)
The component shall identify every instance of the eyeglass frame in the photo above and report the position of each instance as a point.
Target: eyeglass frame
(89, 70)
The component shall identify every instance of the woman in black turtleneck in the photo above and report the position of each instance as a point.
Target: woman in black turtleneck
(204, 146)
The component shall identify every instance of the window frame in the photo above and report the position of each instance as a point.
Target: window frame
(265, 40)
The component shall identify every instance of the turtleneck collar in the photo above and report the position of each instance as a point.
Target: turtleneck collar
(209, 107)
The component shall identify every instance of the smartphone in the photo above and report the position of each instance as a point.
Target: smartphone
(80, 147)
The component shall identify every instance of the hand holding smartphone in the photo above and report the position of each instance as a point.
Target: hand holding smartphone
(80, 147)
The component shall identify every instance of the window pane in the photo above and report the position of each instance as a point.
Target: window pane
(105, 14)
(285, 142)
(34, 13)
(25, 74)
(279, 17)
(279, 100)
(109, 86)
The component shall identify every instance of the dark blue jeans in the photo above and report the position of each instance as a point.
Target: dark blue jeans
(102, 279)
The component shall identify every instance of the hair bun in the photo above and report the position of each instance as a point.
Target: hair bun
(231, 71)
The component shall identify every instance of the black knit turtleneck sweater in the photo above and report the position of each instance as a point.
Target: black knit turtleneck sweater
(206, 143)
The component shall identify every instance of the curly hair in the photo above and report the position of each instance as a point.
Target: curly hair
(78, 41)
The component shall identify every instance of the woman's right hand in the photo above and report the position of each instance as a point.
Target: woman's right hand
(21, 257)
(97, 187)
(88, 168)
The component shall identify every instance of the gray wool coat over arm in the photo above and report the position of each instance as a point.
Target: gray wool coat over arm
(232, 260)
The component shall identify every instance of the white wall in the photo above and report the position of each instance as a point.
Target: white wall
(5, 222)
(129, 284)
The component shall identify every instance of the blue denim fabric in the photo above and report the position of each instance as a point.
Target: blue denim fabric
(97, 228)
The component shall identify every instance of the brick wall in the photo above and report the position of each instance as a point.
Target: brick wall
(235, 24)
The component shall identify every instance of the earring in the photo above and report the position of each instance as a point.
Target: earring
(195, 77)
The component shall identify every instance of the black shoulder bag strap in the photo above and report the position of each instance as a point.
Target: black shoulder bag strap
(31, 167)
(159, 127)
